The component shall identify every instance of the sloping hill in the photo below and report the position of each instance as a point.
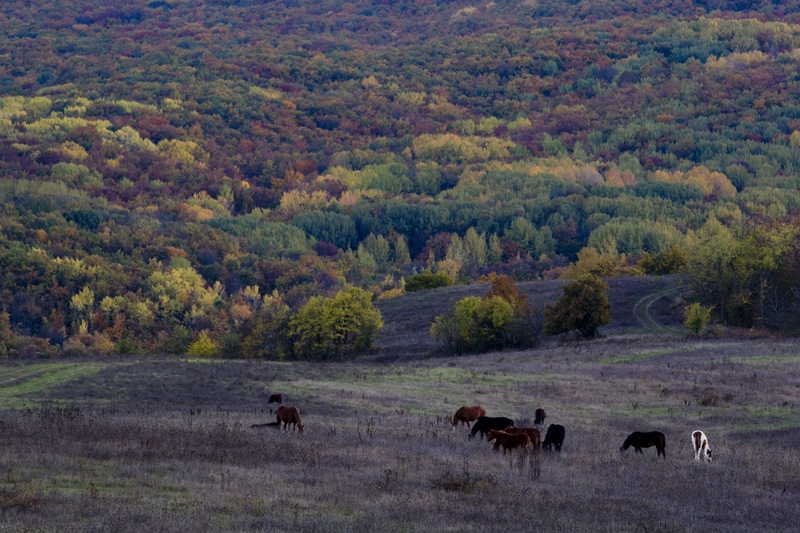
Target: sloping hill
(408, 318)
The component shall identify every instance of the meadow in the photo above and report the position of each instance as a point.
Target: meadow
(167, 444)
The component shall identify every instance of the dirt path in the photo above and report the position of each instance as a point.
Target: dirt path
(21, 376)
(642, 311)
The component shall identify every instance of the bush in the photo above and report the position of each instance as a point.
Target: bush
(427, 280)
(583, 306)
(501, 319)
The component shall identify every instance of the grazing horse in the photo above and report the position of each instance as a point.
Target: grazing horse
(484, 424)
(701, 449)
(276, 398)
(554, 437)
(467, 415)
(539, 415)
(289, 415)
(534, 434)
(640, 440)
(507, 441)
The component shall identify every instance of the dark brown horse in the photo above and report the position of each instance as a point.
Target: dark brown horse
(467, 415)
(276, 398)
(289, 416)
(539, 415)
(639, 440)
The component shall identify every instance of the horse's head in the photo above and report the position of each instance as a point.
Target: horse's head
(708, 454)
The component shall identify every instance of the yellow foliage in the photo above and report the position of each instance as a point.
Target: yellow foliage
(129, 138)
(73, 150)
(303, 200)
(708, 182)
(370, 82)
(391, 293)
(186, 151)
(267, 94)
(412, 98)
(590, 261)
(196, 213)
(54, 125)
(202, 199)
(522, 122)
(736, 61)
(450, 147)
(451, 267)
(464, 12)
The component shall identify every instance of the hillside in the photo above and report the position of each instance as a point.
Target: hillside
(408, 318)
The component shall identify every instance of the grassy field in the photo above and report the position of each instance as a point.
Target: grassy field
(167, 444)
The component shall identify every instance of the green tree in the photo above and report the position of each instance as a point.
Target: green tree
(696, 317)
(269, 338)
(327, 328)
(583, 306)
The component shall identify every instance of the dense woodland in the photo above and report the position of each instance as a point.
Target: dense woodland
(179, 175)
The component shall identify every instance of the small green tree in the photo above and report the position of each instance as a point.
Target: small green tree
(697, 317)
(178, 340)
(583, 306)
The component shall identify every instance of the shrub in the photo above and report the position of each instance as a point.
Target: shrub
(427, 280)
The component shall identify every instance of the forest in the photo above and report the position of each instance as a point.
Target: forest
(208, 177)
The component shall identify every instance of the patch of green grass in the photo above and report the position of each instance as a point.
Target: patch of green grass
(763, 359)
(646, 354)
(16, 395)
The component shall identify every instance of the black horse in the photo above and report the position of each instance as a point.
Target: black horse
(639, 440)
(554, 437)
(485, 424)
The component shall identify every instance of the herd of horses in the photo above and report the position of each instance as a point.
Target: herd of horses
(501, 432)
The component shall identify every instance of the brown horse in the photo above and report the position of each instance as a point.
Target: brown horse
(276, 398)
(467, 415)
(289, 415)
(639, 440)
(534, 434)
(540, 415)
(508, 441)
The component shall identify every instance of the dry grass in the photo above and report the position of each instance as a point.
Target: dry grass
(167, 445)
